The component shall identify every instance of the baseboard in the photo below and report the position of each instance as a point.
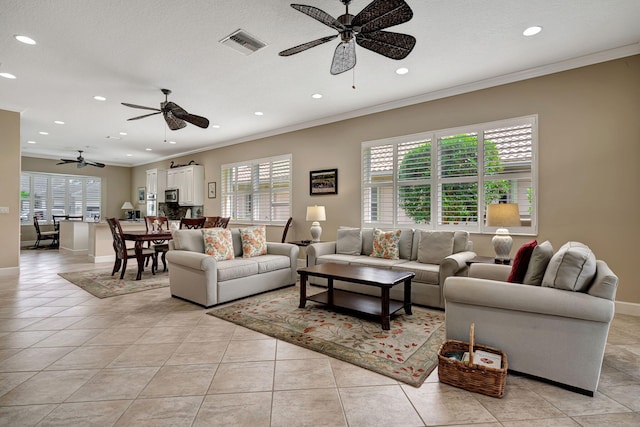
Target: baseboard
(630, 308)
(9, 271)
(67, 251)
(102, 258)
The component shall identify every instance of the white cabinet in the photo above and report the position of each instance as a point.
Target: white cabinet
(189, 180)
(157, 183)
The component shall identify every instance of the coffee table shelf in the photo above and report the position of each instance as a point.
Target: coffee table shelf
(356, 302)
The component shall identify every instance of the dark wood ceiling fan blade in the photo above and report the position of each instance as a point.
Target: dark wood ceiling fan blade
(380, 14)
(344, 57)
(319, 15)
(96, 164)
(66, 161)
(139, 106)
(146, 115)
(386, 43)
(305, 46)
(173, 122)
(180, 113)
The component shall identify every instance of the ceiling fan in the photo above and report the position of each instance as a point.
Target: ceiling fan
(174, 115)
(81, 162)
(366, 28)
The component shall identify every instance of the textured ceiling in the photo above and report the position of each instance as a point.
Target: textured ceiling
(127, 50)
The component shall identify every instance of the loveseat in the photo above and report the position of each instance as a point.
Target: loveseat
(200, 278)
(431, 255)
(554, 326)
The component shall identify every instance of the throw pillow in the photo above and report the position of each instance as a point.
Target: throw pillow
(349, 241)
(385, 244)
(254, 241)
(434, 246)
(572, 268)
(540, 258)
(218, 243)
(521, 262)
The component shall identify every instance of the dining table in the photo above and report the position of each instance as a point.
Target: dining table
(139, 237)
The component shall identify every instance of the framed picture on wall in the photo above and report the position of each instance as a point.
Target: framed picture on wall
(140, 194)
(211, 193)
(323, 182)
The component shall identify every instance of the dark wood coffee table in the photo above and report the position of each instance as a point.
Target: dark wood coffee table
(371, 276)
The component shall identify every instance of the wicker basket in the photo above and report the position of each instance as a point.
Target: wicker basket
(468, 375)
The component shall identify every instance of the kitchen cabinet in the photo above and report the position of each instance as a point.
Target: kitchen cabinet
(157, 183)
(189, 180)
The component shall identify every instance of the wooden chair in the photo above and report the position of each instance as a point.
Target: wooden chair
(159, 246)
(216, 221)
(45, 235)
(224, 222)
(192, 222)
(122, 253)
(286, 230)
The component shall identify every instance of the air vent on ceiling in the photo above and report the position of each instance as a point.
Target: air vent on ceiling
(243, 42)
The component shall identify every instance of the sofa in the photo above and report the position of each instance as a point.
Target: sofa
(202, 279)
(553, 327)
(431, 255)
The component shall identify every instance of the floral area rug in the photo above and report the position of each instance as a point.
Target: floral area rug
(101, 284)
(408, 352)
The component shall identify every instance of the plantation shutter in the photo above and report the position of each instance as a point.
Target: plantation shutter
(414, 183)
(378, 187)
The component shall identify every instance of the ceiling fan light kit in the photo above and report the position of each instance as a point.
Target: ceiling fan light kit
(365, 29)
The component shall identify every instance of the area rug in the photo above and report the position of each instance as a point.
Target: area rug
(101, 284)
(408, 352)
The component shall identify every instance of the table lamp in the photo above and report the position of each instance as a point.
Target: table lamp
(128, 207)
(315, 214)
(502, 215)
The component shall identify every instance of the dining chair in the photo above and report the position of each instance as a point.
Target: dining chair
(192, 222)
(122, 253)
(159, 246)
(45, 235)
(223, 222)
(211, 221)
(286, 230)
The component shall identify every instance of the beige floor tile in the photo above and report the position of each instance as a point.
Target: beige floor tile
(627, 395)
(10, 380)
(22, 339)
(286, 351)
(164, 335)
(47, 387)
(68, 338)
(238, 410)
(95, 322)
(348, 375)
(86, 414)
(378, 406)
(52, 324)
(13, 324)
(113, 384)
(168, 411)
(617, 420)
(190, 353)
(211, 332)
(320, 407)
(241, 333)
(547, 422)
(250, 351)
(303, 374)
(519, 404)
(243, 377)
(89, 357)
(181, 380)
(144, 355)
(28, 415)
(33, 359)
(575, 404)
(118, 336)
(186, 319)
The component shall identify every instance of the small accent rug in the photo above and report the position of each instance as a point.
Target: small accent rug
(101, 284)
(408, 352)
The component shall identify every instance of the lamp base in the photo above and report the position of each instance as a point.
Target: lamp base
(316, 231)
(502, 243)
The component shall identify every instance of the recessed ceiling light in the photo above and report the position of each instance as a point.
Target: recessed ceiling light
(99, 98)
(402, 70)
(43, 133)
(532, 31)
(316, 96)
(148, 149)
(123, 133)
(172, 142)
(58, 122)
(31, 142)
(129, 155)
(25, 39)
(7, 75)
(259, 113)
(215, 126)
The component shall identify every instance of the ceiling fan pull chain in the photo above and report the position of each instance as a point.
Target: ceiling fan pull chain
(353, 82)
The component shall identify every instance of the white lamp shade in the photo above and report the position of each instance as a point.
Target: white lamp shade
(127, 205)
(503, 215)
(316, 213)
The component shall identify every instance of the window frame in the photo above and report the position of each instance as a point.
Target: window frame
(435, 181)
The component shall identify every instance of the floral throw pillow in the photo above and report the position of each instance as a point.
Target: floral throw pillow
(218, 243)
(254, 241)
(385, 244)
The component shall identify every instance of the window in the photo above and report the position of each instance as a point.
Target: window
(257, 191)
(45, 195)
(445, 179)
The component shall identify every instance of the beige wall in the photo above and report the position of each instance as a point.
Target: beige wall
(10, 191)
(589, 128)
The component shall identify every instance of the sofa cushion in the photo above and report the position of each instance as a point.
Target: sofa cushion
(349, 241)
(385, 244)
(460, 241)
(521, 262)
(254, 241)
(425, 273)
(218, 243)
(188, 240)
(434, 246)
(337, 258)
(371, 261)
(540, 258)
(267, 263)
(236, 268)
(572, 268)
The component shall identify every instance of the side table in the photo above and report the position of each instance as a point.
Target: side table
(485, 260)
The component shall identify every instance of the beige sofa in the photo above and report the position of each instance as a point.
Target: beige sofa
(432, 267)
(554, 332)
(199, 278)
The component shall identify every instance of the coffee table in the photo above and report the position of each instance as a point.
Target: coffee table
(384, 279)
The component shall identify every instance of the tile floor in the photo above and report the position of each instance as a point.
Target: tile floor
(68, 358)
